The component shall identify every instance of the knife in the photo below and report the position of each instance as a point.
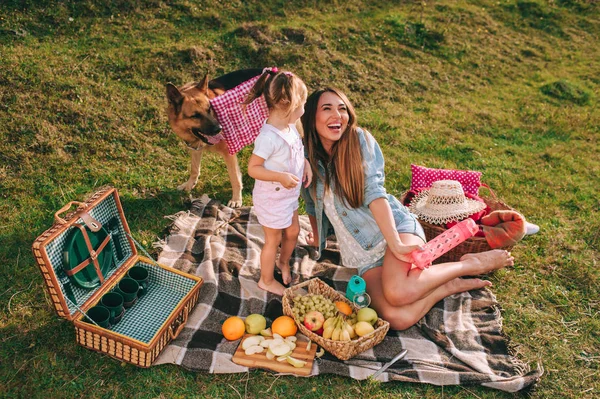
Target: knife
(388, 364)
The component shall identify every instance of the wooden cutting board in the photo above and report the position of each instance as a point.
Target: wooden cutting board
(259, 360)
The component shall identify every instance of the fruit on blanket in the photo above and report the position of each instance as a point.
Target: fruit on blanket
(363, 328)
(314, 320)
(284, 326)
(255, 323)
(343, 308)
(368, 315)
(233, 328)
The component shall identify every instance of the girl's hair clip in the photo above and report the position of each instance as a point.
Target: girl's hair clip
(275, 70)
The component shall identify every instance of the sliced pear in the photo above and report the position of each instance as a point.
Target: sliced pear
(282, 358)
(266, 332)
(266, 343)
(252, 341)
(277, 342)
(279, 350)
(308, 345)
(254, 349)
(275, 335)
(295, 362)
(292, 345)
(291, 338)
(270, 355)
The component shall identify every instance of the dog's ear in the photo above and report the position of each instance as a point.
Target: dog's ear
(203, 85)
(174, 96)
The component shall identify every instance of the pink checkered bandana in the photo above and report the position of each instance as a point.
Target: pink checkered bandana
(422, 177)
(240, 127)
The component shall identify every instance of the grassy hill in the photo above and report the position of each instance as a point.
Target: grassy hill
(509, 88)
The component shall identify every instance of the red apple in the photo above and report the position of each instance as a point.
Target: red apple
(319, 331)
(314, 320)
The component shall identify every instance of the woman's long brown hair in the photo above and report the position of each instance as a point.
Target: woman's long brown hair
(344, 171)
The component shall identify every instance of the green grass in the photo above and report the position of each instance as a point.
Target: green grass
(509, 88)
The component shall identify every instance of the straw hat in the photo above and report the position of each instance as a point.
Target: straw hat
(444, 202)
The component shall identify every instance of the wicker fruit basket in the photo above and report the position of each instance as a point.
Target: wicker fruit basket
(473, 244)
(343, 350)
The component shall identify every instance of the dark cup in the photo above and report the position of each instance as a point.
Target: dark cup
(129, 288)
(99, 315)
(140, 274)
(114, 301)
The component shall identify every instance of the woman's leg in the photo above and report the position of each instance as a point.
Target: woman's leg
(403, 285)
(288, 244)
(267, 280)
(403, 317)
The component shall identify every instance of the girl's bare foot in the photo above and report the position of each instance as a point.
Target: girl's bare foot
(484, 262)
(274, 286)
(286, 275)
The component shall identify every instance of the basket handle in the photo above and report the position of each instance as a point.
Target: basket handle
(65, 208)
(489, 188)
(181, 326)
(301, 285)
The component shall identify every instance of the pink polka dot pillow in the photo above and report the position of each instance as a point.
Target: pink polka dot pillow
(422, 177)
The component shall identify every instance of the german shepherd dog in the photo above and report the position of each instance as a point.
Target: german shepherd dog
(193, 120)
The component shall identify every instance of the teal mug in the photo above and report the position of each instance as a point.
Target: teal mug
(114, 302)
(99, 315)
(129, 288)
(140, 274)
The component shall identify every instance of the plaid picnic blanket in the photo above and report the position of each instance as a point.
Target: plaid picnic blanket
(460, 341)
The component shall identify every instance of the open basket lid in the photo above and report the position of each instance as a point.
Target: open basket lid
(84, 251)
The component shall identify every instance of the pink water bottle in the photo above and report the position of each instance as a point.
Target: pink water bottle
(444, 242)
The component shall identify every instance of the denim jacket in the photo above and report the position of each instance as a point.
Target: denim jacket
(360, 221)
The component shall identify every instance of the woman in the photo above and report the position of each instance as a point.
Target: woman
(375, 231)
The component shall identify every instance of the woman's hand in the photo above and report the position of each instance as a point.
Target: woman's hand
(288, 180)
(307, 175)
(402, 251)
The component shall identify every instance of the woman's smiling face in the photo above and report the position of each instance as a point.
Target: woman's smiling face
(331, 119)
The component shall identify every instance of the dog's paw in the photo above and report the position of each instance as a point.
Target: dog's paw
(234, 203)
(186, 187)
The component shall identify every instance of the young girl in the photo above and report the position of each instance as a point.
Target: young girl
(278, 165)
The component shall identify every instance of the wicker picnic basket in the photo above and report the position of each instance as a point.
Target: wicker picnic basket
(473, 244)
(343, 350)
(147, 326)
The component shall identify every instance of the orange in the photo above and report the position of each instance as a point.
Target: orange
(233, 328)
(284, 326)
(343, 307)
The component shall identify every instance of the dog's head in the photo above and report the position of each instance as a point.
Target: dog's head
(190, 113)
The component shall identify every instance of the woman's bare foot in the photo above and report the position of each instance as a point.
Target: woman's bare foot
(274, 286)
(286, 275)
(484, 262)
